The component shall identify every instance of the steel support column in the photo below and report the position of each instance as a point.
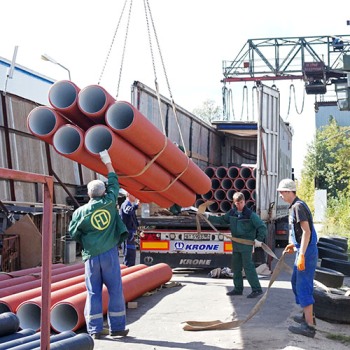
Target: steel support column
(46, 254)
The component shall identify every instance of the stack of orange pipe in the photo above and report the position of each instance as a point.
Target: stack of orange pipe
(149, 165)
(225, 182)
(68, 314)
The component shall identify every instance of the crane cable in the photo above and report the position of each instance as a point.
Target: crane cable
(292, 90)
(124, 46)
(245, 99)
(254, 94)
(227, 102)
(147, 8)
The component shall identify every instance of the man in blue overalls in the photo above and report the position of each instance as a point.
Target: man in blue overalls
(303, 240)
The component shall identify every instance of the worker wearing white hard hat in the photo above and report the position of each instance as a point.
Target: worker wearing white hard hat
(303, 240)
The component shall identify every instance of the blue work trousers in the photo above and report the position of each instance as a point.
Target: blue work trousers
(303, 281)
(99, 270)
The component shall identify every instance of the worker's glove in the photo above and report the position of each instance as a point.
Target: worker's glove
(301, 262)
(289, 249)
(205, 214)
(105, 157)
(257, 243)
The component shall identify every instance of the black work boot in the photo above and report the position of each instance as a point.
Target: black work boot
(255, 294)
(303, 329)
(234, 292)
(119, 334)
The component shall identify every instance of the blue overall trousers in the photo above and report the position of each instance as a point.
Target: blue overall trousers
(99, 270)
(303, 281)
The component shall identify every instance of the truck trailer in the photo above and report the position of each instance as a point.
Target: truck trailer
(263, 146)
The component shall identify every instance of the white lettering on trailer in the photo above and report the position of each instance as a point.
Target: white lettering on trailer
(204, 247)
(195, 262)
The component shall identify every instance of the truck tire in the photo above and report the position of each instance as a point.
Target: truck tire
(331, 246)
(332, 307)
(337, 265)
(330, 253)
(329, 277)
(339, 241)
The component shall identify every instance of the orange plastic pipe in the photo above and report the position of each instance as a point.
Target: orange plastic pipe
(124, 119)
(130, 161)
(68, 314)
(94, 101)
(10, 302)
(44, 121)
(9, 287)
(29, 311)
(142, 281)
(69, 142)
(24, 272)
(63, 96)
(148, 197)
(233, 172)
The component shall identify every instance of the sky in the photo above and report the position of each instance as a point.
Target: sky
(195, 37)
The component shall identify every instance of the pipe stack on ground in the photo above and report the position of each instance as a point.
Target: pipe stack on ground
(13, 296)
(68, 298)
(81, 123)
(225, 182)
(68, 314)
(29, 311)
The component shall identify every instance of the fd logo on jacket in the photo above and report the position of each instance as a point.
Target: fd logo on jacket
(100, 219)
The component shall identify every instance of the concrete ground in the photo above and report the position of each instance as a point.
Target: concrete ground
(156, 323)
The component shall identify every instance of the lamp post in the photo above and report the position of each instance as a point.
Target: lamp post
(46, 57)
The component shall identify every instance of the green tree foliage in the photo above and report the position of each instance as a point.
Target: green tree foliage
(209, 111)
(326, 166)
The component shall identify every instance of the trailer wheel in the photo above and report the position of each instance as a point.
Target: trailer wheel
(328, 277)
(331, 246)
(339, 241)
(329, 253)
(337, 265)
(332, 307)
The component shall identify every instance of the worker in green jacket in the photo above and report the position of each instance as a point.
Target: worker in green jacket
(98, 227)
(244, 224)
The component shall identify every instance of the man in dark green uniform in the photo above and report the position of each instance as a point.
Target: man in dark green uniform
(246, 225)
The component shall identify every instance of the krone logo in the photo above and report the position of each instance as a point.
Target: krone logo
(100, 219)
(148, 260)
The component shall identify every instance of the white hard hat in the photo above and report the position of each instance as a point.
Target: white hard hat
(122, 192)
(287, 185)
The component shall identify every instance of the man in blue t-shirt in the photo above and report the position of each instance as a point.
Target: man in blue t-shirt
(303, 241)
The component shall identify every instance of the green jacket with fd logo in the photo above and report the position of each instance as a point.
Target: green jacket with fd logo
(246, 225)
(97, 225)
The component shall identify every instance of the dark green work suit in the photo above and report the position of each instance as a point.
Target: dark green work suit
(246, 225)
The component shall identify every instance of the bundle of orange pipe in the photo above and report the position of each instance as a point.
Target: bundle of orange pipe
(81, 123)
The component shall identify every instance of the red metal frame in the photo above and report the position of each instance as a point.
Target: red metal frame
(263, 78)
(47, 182)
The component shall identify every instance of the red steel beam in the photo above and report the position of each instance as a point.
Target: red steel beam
(277, 77)
(47, 182)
